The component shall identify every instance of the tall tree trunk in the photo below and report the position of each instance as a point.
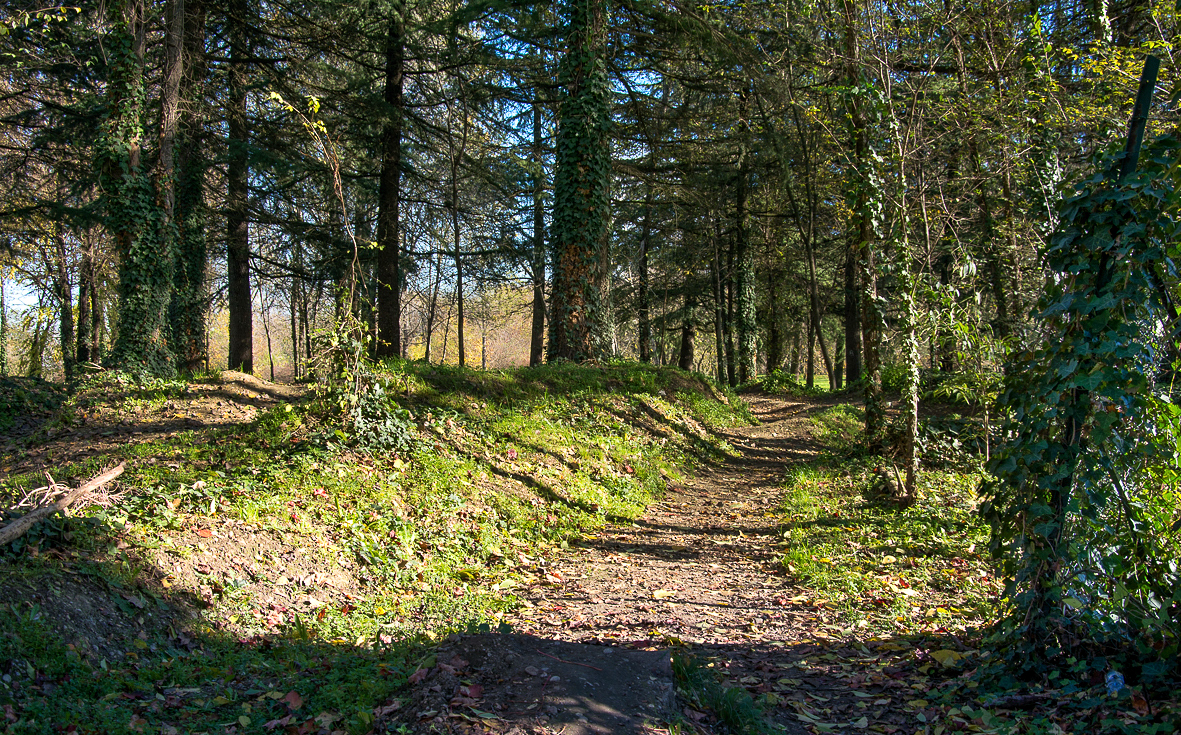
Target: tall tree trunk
(582, 182)
(852, 314)
(3, 328)
(745, 281)
(456, 156)
(190, 303)
(645, 306)
(85, 284)
(241, 347)
(731, 362)
(294, 324)
(65, 291)
(537, 333)
(810, 356)
(459, 316)
(174, 23)
(389, 193)
(129, 202)
(719, 304)
(870, 311)
(433, 306)
(817, 314)
(688, 334)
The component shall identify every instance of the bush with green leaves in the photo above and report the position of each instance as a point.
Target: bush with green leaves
(1083, 507)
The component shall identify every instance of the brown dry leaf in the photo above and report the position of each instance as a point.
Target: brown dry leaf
(293, 700)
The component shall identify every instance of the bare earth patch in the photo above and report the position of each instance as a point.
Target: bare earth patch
(123, 418)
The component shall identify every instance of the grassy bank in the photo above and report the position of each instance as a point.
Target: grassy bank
(255, 568)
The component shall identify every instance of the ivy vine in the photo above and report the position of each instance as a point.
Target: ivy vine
(1084, 499)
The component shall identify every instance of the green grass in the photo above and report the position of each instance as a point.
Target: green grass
(506, 467)
(877, 569)
(204, 685)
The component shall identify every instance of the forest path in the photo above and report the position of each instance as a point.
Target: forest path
(698, 572)
(700, 565)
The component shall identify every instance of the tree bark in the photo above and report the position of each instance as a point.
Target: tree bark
(537, 332)
(241, 347)
(190, 302)
(688, 334)
(744, 278)
(645, 305)
(581, 186)
(389, 194)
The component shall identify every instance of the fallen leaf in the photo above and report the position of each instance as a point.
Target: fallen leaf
(663, 594)
(204, 532)
(293, 700)
(946, 657)
(418, 675)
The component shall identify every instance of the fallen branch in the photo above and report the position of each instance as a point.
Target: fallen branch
(17, 528)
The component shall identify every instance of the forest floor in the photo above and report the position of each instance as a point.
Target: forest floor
(570, 550)
(701, 576)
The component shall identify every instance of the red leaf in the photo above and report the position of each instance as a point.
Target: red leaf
(345, 610)
(204, 532)
(293, 700)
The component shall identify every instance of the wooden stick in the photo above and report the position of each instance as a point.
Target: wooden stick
(575, 663)
(17, 528)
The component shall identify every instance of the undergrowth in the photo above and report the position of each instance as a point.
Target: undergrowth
(423, 536)
(700, 684)
(920, 580)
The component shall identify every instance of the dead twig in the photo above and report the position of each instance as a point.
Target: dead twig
(574, 663)
(17, 528)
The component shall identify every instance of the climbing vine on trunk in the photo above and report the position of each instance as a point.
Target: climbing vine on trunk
(1083, 503)
(582, 183)
(129, 205)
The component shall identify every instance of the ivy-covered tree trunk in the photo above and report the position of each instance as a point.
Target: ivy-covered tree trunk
(688, 333)
(85, 284)
(643, 296)
(852, 313)
(582, 184)
(3, 328)
(129, 203)
(537, 333)
(241, 307)
(190, 297)
(744, 281)
(866, 208)
(389, 193)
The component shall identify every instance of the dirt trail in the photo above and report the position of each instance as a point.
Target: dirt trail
(699, 566)
(697, 570)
